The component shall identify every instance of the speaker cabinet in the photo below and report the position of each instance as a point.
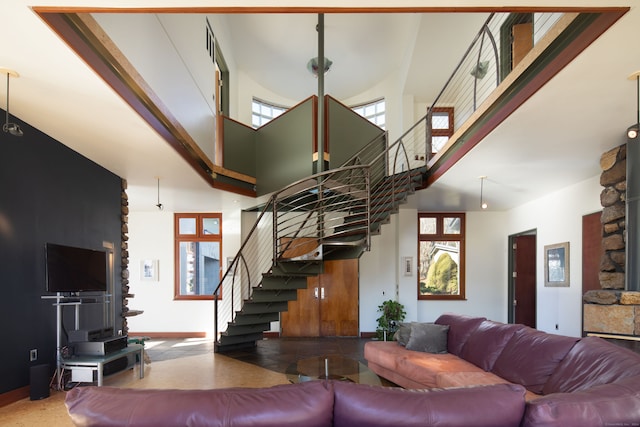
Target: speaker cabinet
(39, 382)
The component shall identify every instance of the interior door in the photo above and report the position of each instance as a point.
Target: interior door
(339, 299)
(328, 306)
(591, 251)
(524, 280)
(303, 316)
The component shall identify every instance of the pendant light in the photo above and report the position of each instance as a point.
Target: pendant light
(483, 204)
(159, 205)
(9, 127)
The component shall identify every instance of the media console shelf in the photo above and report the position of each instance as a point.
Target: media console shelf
(92, 368)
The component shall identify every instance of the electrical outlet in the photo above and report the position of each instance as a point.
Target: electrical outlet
(33, 355)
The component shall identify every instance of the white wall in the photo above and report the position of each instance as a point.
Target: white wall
(557, 218)
(151, 237)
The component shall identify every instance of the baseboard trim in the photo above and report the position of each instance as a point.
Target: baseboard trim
(14, 395)
(168, 334)
(368, 334)
(271, 334)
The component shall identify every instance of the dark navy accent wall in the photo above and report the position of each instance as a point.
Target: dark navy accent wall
(48, 193)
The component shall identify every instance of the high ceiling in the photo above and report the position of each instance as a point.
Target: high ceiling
(554, 140)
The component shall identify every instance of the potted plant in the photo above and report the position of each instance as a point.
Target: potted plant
(392, 313)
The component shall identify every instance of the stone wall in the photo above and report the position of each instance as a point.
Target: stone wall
(613, 310)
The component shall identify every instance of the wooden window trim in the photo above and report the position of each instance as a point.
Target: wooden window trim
(199, 236)
(444, 132)
(441, 236)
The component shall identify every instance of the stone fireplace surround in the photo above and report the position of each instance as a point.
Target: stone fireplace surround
(613, 311)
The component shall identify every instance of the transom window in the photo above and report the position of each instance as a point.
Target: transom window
(198, 253)
(373, 111)
(441, 127)
(263, 112)
(441, 256)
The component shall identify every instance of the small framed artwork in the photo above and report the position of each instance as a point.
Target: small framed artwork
(556, 265)
(407, 266)
(149, 270)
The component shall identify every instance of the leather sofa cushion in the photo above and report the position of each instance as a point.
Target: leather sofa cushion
(592, 361)
(487, 342)
(616, 404)
(360, 405)
(424, 367)
(531, 356)
(308, 404)
(384, 353)
(460, 329)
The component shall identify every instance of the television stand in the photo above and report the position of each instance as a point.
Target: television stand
(92, 368)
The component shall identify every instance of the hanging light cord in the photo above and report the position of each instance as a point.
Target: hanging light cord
(159, 205)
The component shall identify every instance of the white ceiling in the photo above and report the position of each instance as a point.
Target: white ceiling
(554, 140)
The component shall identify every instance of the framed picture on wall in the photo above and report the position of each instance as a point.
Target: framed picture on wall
(149, 270)
(556, 265)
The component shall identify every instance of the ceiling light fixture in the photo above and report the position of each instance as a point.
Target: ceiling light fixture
(12, 128)
(159, 205)
(483, 204)
(632, 131)
(313, 66)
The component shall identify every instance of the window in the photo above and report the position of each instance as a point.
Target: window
(372, 111)
(263, 112)
(198, 251)
(441, 127)
(441, 256)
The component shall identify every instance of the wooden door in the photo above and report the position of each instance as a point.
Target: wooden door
(524, 280)
(339, 299)
(522, 42)
(329, 305)
(303, 316)
(591, 251)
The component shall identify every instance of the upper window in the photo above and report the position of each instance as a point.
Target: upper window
(263, 112)
(373, 111)
(198, 251)
(441, 127)
(441, 256)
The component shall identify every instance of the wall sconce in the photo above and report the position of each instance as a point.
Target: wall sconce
(159, 205)
(11, 128)
(483, 204)
(632, 131)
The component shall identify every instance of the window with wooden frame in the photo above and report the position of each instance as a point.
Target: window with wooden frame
(441, 258)
(198, 255)
(441, 127)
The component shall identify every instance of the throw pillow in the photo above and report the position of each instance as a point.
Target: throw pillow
(428, 337)
(403, 333)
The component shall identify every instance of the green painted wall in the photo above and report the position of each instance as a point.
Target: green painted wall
(239, 147)
(284, 148)
(347, 132)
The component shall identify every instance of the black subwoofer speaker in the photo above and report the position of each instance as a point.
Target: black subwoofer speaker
(39, 382)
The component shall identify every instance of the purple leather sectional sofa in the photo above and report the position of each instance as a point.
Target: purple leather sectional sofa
(491, 374)
(569, 381)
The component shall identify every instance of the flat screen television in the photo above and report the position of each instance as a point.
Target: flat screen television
(70, 269)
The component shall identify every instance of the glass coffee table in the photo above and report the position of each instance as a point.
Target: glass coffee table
(333, 367)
